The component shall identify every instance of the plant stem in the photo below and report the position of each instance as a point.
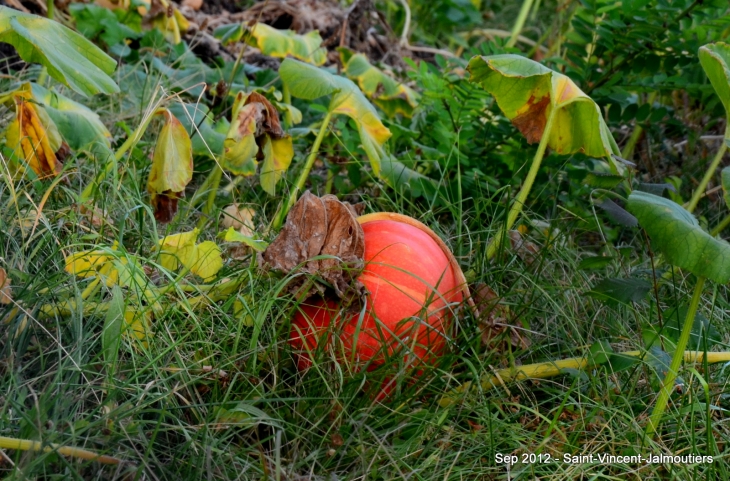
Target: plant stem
(549, 369)
(516, 208)
(215, 182)
(304, 174)
(127, 145)
(668, 384)
(519, 23)
(700, 190)
(721, 226)
(50, 6)
(30, 445)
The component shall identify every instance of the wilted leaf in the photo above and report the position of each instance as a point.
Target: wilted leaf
(677, 234)
(388, 94)
(493, 316)
(233, 235)
(208, 260)
(715, 60)
(6, 293)
(31, 135)
(172, 168)
(106, 264)
(526, 92)
(69, 57)
(276, 43)
(167, 18)
(618, 214)
(320, 227)
(79, 126)
(138, 325)
(202, 259)
(240, 148)
(278, 154)
(308, 82)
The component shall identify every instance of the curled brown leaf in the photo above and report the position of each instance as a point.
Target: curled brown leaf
(6, 293)
(320, 227)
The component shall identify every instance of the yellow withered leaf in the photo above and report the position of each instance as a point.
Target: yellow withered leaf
(172, 168)
(102, 263)
(202, 259)
(208, 260)
(240, 218)
(6, 293)
(32, 137)
(138, 325)
(278, 154)
(178, 249)
(239, 147)
(387, 93)
(284, 43)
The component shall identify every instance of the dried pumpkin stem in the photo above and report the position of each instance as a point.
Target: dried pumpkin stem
(668, 385)
(550, 369)
(516, 208)
(30, 445)
(294, 195)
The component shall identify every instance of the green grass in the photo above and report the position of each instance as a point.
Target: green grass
(216, 394)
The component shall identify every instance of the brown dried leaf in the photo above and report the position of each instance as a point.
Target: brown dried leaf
(252, 113)
(532, 121)
(96, 216)
(6, 293)
(320, 227)
(270, 124)
(194, 4)
(164, 205)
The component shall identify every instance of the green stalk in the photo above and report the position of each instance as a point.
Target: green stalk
(516, 208)
(294, 195)
(700, 190)
(668, 384)
(721, 226)
(520, 23)
(50, 6)
(110, 166)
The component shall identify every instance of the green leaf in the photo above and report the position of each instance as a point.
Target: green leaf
(198, 122)
(676, 233)
(69, 57)
(702, 329)
(308, 82)
(599, 352)
(79, 126)
(112, 334)
(240, 147)
(623, 291)
(229, 33)
(526, 92)
(232, 235)
(715, 60)
(595, 262)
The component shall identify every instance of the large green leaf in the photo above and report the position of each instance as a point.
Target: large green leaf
(69, 57)
(678, 235)
(526, 92)
(715, 60)
(308, 82)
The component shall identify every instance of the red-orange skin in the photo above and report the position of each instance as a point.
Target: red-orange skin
(412, 287)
